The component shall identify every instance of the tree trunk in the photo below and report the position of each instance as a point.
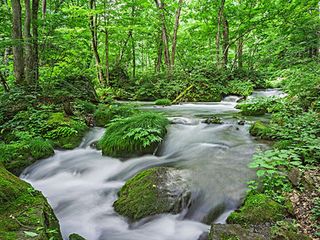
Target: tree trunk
(175, 32)
(35, 51)
(159, 55)
(218, 35)
(133, 45)
(164, 35)
(106, 32)
(4, 82)
(28, 61)
(225, 41)
(240, 53)
(44, 9)
(17, 42)
(94, 40)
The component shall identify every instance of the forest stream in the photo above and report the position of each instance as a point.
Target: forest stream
(81, 184)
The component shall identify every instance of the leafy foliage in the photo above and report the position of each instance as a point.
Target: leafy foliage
(138, 134)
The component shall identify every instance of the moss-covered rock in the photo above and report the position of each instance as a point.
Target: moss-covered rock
(163, 102)
(17, 156)
(75, 236)
(154, 191)
(261, 130)
(213, 120)
(24, 212)
(106, 113)
(136, 135)
(232, 232)
(65, 132)
(257, 209)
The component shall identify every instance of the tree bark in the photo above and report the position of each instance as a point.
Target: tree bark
(28, 43)
(94, 40)
(4, 82)
(44, 9)
(240, 53)
(17, 41)
(164, 35)
(106, 33)
(175, 32)
(218, 35)
(133, 45)
(225, 41)
(35, 50)
(159, 55)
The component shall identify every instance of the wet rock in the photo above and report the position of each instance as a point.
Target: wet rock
(241, 122)
(254, 206)
(213, 120)
(259, 129)
(153, 191)
(24, 212)
(232, 232)
(294, 176)
(75, 236)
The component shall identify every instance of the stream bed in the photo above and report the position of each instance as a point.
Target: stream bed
(81, 184)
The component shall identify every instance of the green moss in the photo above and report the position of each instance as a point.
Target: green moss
(148, 193)
(259, 129)
(17, 156)
(75, 236)
(257, 209)
(106, 113)
(163, 102)
(24, 210)
(135, 135)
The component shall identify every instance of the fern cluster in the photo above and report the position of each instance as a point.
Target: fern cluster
(138, 134)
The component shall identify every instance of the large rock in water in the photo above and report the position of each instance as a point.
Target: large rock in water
(24, 212)
(153, 191)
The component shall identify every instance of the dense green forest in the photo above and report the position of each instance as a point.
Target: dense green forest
(68, 66)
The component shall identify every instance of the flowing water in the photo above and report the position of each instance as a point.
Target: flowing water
(81, 184)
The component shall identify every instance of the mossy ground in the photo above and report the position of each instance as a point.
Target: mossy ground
(24, 211)
(135, 135)
(163, 102)
(257, 208)
(106, 113)
(261, 130)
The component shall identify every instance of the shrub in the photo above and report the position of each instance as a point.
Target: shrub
(106, 113)
(135, 135)
(238, 87)
(163, 102)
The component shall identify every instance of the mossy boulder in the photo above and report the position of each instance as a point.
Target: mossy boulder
(163, 102)
(213, 120)
(24, 212)
(257, 209)
(65, 132)
(106, 113)
(261, 130)
(75, 236)
(153, 191)
(232, 232)
(17, 156)
(133, 136)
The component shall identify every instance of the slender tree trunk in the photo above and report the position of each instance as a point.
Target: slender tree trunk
(175, 32)
(44, 9)
(106, 32)
(17, 41)
(94, 40)
(28, 61)
(218, 35)
(159, 55)
(164, 35)
(240, 53)
(4, 82)
(35, 50)
(133, 45)
(107, 55)
(225, 41)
